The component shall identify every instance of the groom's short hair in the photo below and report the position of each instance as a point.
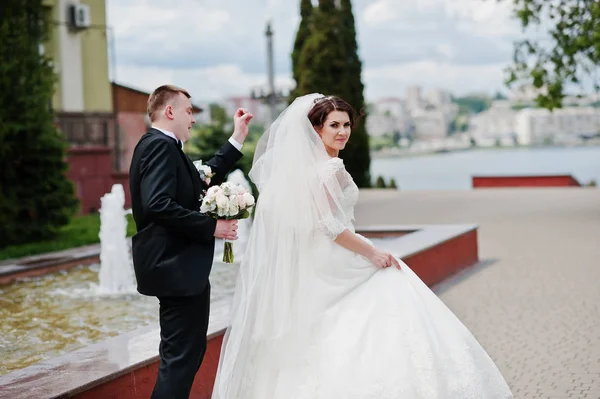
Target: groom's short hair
(161, 96)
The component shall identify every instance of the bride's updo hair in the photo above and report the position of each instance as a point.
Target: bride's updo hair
(325, 105)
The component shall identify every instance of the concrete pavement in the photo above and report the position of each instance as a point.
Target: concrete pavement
(534, 300)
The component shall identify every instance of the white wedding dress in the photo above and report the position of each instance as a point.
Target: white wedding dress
(350, 330)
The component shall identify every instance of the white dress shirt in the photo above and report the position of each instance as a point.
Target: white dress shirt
(233, 142)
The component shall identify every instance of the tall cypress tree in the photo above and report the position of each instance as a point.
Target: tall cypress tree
(321, 62)
(304, 31)
(329, 64)
(356, 154)
(36, 198)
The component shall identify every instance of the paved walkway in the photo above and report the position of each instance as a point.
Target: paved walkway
(534, 300)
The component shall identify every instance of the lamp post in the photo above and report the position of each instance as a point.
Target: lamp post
(271, 98)
(270, 73)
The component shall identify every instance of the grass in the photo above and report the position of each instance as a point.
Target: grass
(82, 230)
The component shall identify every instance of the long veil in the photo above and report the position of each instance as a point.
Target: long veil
(300, 197)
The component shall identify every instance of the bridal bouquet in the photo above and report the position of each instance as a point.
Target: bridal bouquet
(227, 201)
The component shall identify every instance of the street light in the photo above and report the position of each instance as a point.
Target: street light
(270, 72)
(271, 98)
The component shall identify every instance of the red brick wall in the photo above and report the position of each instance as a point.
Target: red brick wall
(436, 264)
(525, 181)
(91, 168)
(132, 126)
(91, 171)
(138, 383)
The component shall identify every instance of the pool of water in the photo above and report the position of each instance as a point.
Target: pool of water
(44, 317)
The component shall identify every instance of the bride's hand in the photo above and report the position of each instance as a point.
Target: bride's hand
(382, 259)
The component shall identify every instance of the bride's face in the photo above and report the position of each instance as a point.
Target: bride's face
(336, 130)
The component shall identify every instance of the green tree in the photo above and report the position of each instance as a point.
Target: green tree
(472, 104)
(321, 65)
(356, 154)
(206, 139)
(36, 197)
(567, 56)
(380, 183)
(304, 30)
(328, 63)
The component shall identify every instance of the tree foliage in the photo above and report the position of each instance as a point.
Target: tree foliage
(325, 60)
(36, 197)
(569, 55)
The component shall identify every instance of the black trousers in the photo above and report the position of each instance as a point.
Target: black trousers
(183, 327)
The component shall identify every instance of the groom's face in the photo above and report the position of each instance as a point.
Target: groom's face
(182, 117)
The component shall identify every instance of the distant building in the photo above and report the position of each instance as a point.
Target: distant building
(258, 107)
(430, 123)
(431, 118)
(493, 125)
(439, 98)
(413, 98)
(77, 44)
(537, 125)
(388, 116)
(255, 106)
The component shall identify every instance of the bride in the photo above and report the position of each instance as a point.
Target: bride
(319, 312)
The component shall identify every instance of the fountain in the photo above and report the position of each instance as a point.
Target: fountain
(53, 314)
(116, 268)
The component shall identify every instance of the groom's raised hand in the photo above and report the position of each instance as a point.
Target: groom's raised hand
(241, 119)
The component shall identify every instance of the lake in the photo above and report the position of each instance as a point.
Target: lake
(453, 171)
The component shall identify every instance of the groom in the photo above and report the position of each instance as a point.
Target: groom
(174, 245)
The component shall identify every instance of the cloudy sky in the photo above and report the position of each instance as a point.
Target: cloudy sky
(216, 48)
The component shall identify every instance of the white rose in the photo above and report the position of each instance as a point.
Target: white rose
(205, 207)
(241, 190)
(222, 201)
(227, 189)
(249, 199)
(213, 191)
(222, 211)
(207, 171)
(233, 207)
(241, 201)
(209, 197)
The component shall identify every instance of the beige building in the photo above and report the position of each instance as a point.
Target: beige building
(83, 98)
(78, 45)
(538, 126)
(494, 125)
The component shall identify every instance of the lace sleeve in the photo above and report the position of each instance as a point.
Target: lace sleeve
(331, 221)
(331, 226)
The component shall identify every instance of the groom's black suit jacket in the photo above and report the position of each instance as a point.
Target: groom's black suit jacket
(173, 249)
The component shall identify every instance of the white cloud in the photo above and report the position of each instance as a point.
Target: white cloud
(381, 11)
(204, 84)
(459, 79)
(484, 17)
(217, 48)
